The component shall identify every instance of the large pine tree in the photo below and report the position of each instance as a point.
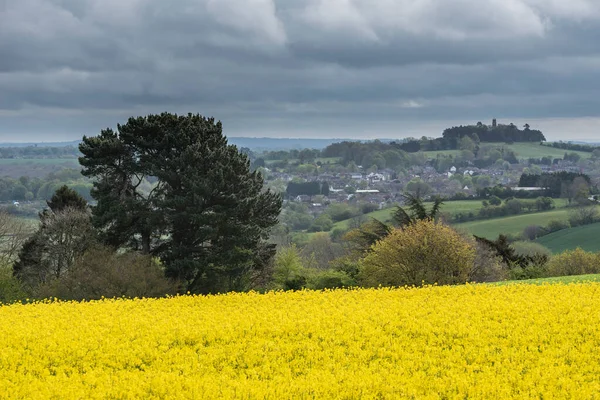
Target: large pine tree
(206, 215)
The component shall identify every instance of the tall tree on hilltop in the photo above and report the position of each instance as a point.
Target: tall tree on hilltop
(207, 215)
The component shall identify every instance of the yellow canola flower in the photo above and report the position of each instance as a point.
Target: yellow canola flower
(471, 341)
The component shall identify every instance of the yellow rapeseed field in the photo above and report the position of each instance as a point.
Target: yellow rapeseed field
(473, 341)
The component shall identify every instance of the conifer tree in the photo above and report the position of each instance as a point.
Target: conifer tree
(207, 215)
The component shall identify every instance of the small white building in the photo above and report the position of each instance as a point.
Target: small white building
(528, 189)
(367, 191)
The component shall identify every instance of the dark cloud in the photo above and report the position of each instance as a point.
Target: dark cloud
(296, 67)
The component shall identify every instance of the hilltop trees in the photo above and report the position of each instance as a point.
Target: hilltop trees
(207, 216)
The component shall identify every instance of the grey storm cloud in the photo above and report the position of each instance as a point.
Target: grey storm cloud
(295, 67)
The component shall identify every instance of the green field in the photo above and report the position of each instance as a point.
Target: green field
(587, 237)
(534, 150)
(434, 154)
(513, 225)
(34, 167)
(522, 150)
(465, 206)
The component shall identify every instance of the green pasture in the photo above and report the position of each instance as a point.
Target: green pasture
(513, 225)
(587, 237)
(522, 150)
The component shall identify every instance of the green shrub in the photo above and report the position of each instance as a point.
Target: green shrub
(533, 271)
(288, 271)
(525, 248)
(556, 225)
(495, 201)
(330, 279)
(322, 223)
(11, 289)
(101, 272)
(340, 212)
(574, 262)
(488, 266)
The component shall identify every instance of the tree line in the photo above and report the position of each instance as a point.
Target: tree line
(558, 184)
(39, 152)
(26, 188)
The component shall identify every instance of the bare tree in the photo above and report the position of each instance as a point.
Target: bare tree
(13, 234)
(52, 250)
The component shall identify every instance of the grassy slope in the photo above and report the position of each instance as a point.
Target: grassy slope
(586, 237)
(491, 228)
(522, 150)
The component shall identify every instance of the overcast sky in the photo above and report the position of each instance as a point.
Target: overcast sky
(314, 68)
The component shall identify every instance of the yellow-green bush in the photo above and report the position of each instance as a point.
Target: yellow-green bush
(574, 262)
(424, 252)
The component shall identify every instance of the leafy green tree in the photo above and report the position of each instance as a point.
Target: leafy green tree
(288, 272)
(322, 223)
(418, 188)
(495, 200)
(18, 192)
(544, 203)
(466, 143)
(207, 217)
(11, 288)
